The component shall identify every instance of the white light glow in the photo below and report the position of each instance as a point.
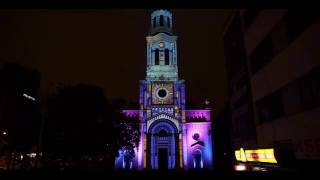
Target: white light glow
(32, 155)
(240, 167)
(4, 133)
(29, 97)
(259, 169)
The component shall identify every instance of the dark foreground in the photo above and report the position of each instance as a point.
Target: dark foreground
(151, 175)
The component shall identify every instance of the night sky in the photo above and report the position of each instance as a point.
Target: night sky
(108, 48)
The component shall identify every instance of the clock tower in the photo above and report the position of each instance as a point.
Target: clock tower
(168, 139)
(162, 95)
(161, 48)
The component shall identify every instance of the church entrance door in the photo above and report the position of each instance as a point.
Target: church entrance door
(163, 158)
(163, 142)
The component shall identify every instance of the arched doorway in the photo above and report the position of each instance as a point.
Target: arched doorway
(197, 159)
(163, 145)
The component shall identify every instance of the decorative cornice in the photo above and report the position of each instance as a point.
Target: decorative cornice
(161, 37)
(160, 116)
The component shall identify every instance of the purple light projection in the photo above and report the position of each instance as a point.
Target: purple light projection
(131, 113)
(187, 130)
(198, 139)
(199, 113)
(168, 142)
(141, 149)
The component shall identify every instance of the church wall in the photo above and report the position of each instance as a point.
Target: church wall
(203, 143)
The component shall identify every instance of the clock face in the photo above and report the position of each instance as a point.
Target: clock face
(162, 93)
(161, 44)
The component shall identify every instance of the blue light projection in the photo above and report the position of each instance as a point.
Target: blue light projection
(171, 136)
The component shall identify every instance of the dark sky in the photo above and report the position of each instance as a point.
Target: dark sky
(108, 48)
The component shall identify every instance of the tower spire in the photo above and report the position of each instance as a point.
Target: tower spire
(161, 48)
(161, 21)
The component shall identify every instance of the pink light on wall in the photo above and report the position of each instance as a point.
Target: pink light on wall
(141, 150)
(131, 113)
(198, 138)
(199, 113)
(185, 147)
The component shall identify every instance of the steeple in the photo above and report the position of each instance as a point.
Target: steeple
(161, 21)
(161, 48)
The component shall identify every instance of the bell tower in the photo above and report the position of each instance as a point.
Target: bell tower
(162, 97)
(171, 137)
(162, 91)
(161, 48)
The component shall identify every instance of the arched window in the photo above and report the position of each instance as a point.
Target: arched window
(166, 52)
(197, 159)
(168, 22)
(161, 20)
(156, 54)
(154, 22)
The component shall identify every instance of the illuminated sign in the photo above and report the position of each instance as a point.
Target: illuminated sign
(240, 155)
(259, 155)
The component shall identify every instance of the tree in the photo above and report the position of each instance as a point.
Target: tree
(129, 137)
(127, 130)
(77, 123)
(82, 125)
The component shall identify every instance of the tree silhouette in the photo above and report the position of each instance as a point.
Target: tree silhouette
(82, 125)
(77, 124)
(127, 129)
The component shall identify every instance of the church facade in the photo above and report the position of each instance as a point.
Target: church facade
(172, 137)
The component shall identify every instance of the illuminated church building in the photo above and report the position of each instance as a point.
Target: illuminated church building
(172, 137)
